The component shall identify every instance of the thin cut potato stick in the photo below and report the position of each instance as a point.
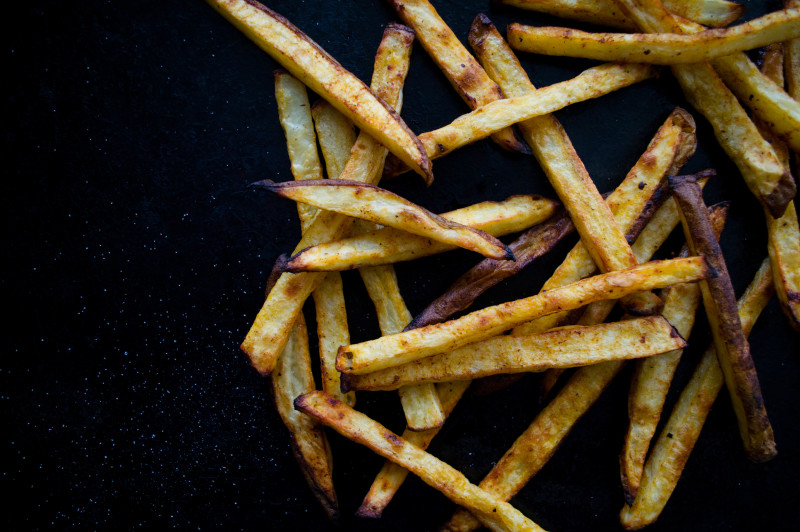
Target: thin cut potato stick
(336, 137)
(420, 402)
(652, 376)
(295, 118)
(332, 331)
(460, 68)
(419, 343)
(657, 48)
(735, 131)
(792, 59)
(292, 377)
(731, 345)
(552, 148)
(672, 145)
(487, 119)
(270, 329)
(714, 13)
(676, 441)
(380, 206)
(301, 56)
(531, 245)
(564, 347)
(534, 447)
(389, 245)
(356, 426)
(391, 476)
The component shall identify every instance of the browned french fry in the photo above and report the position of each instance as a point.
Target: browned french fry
(295, 118)
(732, 348)
(554, 151)
(540, 440)
(669, 149)
(324, 75)
(292, 377)
(531, 245)
(419, 343)
(714, 13)
(676, 441)
(391, 476)
(420, 401)
(494, 116)
(495, 514)
(564, 347)
(652, 377)
(460, 68)
(389, 245)
(332, 331)
(270, 329)
(380, 206)
(657, 48)
(736, 133)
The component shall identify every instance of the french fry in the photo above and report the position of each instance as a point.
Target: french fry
(672, 145)
(419, 343)
(301, 142)
(495, 514)
(389, 245)
(792, 59)
(270, 329)
(714, 13)
(304, 58)
(652, 377)
(332, 331)
(420, 402)
(292, 377)
(737, 134)
(494, 116)
(380, 206)
(336, 137)
(732, 348)
(657, 48)
(681, 431)
(564, 347)
(552, 148)
(391, 476)
(531, 245)
(537, 444)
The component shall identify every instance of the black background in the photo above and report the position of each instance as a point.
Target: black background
(136, 260)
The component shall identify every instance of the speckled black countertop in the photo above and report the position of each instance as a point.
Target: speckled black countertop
(136, 260)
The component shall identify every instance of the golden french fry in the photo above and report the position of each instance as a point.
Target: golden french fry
(336, 137)
(389, 245)
(652, 377)
(391, 476)
(714, 13)
(792, 59)
(495, 514)
(419, 343)
(676, 441)
(301, 142)
(564, 347)
(672, 145)
(380, 206)
(304, 58)
(657, 48)
(735, 131)
(420, 401)
(461, 69)
(732, 348)
(494, 116)
(270, 329)
(534, 447)
(332, 331)
(292, 377)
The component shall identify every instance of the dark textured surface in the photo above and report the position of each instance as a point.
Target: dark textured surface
(136, 258)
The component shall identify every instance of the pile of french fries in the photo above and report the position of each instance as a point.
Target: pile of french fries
(349, 222)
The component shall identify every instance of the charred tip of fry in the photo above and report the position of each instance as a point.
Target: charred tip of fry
(277, 269)
(783, 193)
(266, 184)
(766, 452)
(510, 254)
(477, 31)
(345, 382)
(279, 73)
(369, 512)
(397, 27)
